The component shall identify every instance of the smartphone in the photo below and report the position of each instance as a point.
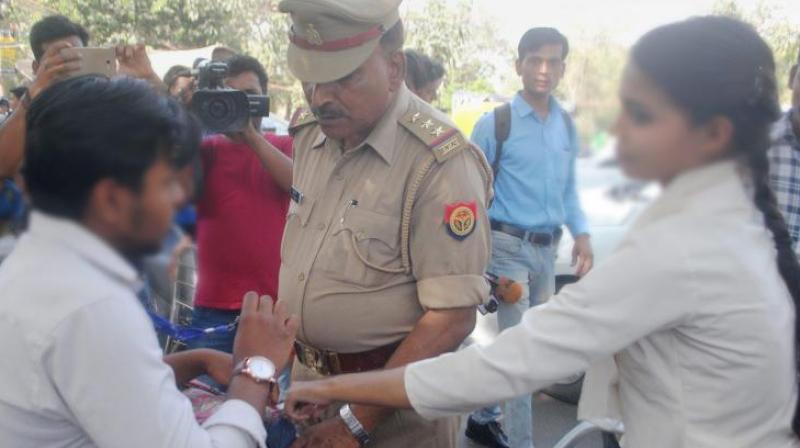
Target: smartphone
(97, 61)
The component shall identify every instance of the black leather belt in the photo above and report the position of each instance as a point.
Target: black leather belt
(538, 238)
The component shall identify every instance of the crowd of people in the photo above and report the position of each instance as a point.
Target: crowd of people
(340, 267)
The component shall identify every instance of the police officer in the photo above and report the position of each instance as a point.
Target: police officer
(387, 236)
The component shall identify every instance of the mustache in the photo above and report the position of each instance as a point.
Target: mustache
(328, 112)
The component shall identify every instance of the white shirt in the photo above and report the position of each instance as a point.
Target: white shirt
(691, 307)
(81, 366)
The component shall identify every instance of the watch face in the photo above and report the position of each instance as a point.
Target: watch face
(261, 368)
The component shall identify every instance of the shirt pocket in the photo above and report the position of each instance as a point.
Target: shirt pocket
(364, 248)
(296, 220)
(562, 160)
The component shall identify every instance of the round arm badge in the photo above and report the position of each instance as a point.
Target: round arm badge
(460, 219)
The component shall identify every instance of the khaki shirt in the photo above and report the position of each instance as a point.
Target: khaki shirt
(342, 270)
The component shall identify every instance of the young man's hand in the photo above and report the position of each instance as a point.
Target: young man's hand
(59, 62)
(265, 329)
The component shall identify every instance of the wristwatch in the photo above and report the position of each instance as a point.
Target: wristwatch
(258, 368)
(355, 426)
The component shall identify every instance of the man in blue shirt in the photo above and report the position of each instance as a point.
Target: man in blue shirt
(535, 195)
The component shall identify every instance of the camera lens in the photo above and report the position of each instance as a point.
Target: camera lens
(218, 109)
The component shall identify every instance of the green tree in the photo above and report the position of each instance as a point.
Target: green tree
(252, 26)
(776, 29)
(468, 46)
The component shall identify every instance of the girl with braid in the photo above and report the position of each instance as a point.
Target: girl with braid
(688, 330)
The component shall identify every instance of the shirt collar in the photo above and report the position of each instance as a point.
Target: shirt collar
(382, 138)
(523, 109)
(87, 245)
(716, 179)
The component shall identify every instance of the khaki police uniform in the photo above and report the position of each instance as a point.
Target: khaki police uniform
(379, 234)
(343, 271)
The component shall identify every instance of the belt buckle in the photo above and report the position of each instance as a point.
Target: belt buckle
(318, 363)
(313, 359)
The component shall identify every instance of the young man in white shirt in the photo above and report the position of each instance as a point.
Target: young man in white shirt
(82, 366)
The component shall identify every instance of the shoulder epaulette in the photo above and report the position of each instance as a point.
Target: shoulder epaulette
(300, 119)
(443, 139)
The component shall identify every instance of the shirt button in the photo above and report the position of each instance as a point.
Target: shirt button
(338, 176)
(301, 277)
(321, 226)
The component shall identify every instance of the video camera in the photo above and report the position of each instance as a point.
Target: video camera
(219, 109)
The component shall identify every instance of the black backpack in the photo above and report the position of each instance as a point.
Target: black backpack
(502, 129)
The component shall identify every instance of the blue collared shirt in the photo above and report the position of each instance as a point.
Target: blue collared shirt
(535, 186)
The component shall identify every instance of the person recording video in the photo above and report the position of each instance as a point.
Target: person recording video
(53, 41)
(241, 212)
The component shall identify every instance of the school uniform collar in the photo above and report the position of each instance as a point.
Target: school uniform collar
(718, 186)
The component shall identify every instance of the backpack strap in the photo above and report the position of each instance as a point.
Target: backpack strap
(502, 129)
(570, 127)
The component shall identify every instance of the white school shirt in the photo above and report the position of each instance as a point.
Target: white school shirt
(690, 308)
(81, 366)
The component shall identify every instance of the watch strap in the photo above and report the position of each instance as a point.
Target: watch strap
(355, 426)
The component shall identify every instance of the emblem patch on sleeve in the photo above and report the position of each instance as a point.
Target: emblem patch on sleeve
(460, 219)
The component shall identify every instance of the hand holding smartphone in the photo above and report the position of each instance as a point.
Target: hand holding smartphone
(97, 61)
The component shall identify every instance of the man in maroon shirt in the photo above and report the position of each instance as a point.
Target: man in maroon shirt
(241, 213)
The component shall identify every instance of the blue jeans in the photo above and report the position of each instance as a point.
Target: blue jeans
(210, 317)
(532, 266)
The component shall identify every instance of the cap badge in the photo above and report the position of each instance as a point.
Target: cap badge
(313, 37)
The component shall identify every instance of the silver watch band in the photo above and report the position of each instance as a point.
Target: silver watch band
(355, 426)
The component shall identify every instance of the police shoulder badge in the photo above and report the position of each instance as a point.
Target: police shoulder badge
(460, 219)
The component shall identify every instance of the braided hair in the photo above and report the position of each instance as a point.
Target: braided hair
(717, 66)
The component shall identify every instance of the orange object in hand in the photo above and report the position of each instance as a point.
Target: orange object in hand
(505, 289)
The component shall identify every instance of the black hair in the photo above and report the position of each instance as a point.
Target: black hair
(89, 128)
(53, 28)
(4, 102)
(732, 75)
(19, 92)
(536, 38)
(240, 63)
(394, 38)
(421, 69)
(175, 72)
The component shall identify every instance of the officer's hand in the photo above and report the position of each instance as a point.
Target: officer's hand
(582, 255)
(331, 433)
(59, 62)
(265, 330)
(305, 400)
